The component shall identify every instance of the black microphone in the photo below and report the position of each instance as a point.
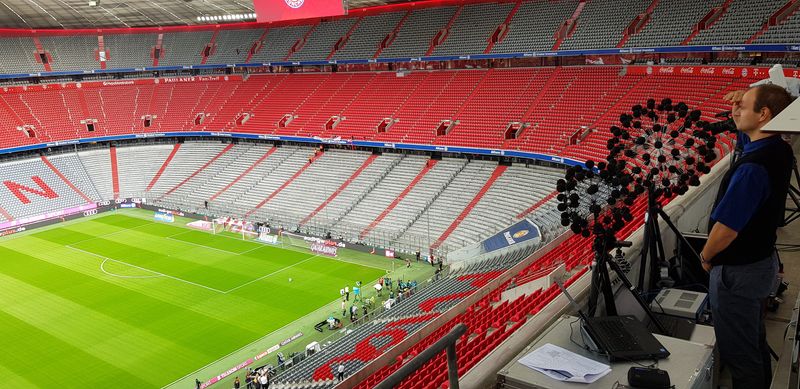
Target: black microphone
(723, 114)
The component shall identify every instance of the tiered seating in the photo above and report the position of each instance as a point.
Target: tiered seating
(233, 46)
(74, 169)
(742, 19)
(785, 32)
(183, 48)
(200, 187)
(570, 100)
(71, 52)
(320, 43)
(127, 51)
(440, 213)
(97, 164)
(414, 37)
(388, 189)
(470, 32)
(18, 56)
(438, 99)
(419, 198)
(134, 173)
(518, 188)
(243, 195)
(355, 350)
(278, 42)
(534, 25)
(602, 23)
(368, 35)
(191, 157)
(494, 105)
(378, 101)
(31, 188)
(671, 22)
(319, 181)
(353, 193)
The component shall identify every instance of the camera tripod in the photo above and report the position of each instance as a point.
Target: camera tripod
(653, 245)
(794, 196)
(601, 283)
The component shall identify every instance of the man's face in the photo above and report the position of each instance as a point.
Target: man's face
(747, 119)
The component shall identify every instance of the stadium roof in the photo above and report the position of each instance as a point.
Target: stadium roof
(40, 14)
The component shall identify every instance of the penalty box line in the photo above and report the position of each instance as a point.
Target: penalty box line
(147, 270)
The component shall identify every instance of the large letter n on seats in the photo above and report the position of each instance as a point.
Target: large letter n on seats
(17, 188)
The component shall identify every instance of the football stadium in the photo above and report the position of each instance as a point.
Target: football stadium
(424, 194)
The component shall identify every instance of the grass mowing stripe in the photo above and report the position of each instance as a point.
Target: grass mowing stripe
(176, 265)
(75, 367)
(194, 326)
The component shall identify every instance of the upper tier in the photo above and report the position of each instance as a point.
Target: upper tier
(456, 27)
(551, 105)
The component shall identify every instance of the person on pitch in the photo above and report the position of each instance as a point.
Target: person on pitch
(740, 251)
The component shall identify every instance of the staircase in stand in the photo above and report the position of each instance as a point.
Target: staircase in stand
(498, 171)
(164, 166)
(428, 166)
(284, 185)
(340, 189)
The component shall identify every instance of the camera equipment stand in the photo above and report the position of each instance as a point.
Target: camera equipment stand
(794, 196)
(601, 283)
(653, 245)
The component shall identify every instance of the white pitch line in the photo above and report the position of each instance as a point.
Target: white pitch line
(145, 269)
(275, 272)
(102, 267)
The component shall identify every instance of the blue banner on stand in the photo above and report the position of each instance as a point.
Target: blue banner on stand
(523, 231)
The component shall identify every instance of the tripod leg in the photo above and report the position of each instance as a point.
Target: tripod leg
(608, 293)
(645, 248)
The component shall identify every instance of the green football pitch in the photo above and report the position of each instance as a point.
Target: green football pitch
(119, 300)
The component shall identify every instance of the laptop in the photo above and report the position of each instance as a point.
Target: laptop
(620, 338)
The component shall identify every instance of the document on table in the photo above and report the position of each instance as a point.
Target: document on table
(564, 365)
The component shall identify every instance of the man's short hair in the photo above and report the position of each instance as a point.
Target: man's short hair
(773, 97)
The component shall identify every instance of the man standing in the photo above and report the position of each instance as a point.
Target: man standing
(740, 251)
(347, 293)
(340, 370)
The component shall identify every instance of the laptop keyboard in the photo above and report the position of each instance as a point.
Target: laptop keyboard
(617, 337)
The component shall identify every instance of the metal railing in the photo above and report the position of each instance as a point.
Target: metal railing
(446, 342)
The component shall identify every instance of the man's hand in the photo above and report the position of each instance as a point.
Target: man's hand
(735, 98)
(707, 267)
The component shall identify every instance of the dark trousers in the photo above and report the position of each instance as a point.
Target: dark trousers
(737, 294)
(340, 376)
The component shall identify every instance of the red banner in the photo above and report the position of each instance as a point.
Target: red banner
(277, 10)
(717, 71)
(110, 83)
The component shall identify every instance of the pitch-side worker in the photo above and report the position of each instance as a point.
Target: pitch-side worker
(740, 251)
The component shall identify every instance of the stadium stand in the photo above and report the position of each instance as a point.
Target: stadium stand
(741, 21)
(368, 35)
(670, 23)
(417, 32)
(19, 56)
(469, 32)
(32, 187)
(534, 25)
(183, 48)
(783, 31)
(279, 41)
(233, 46)
(602, 24)
(128, 51)
(320, 44)
(72, 52)
(134, 176)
